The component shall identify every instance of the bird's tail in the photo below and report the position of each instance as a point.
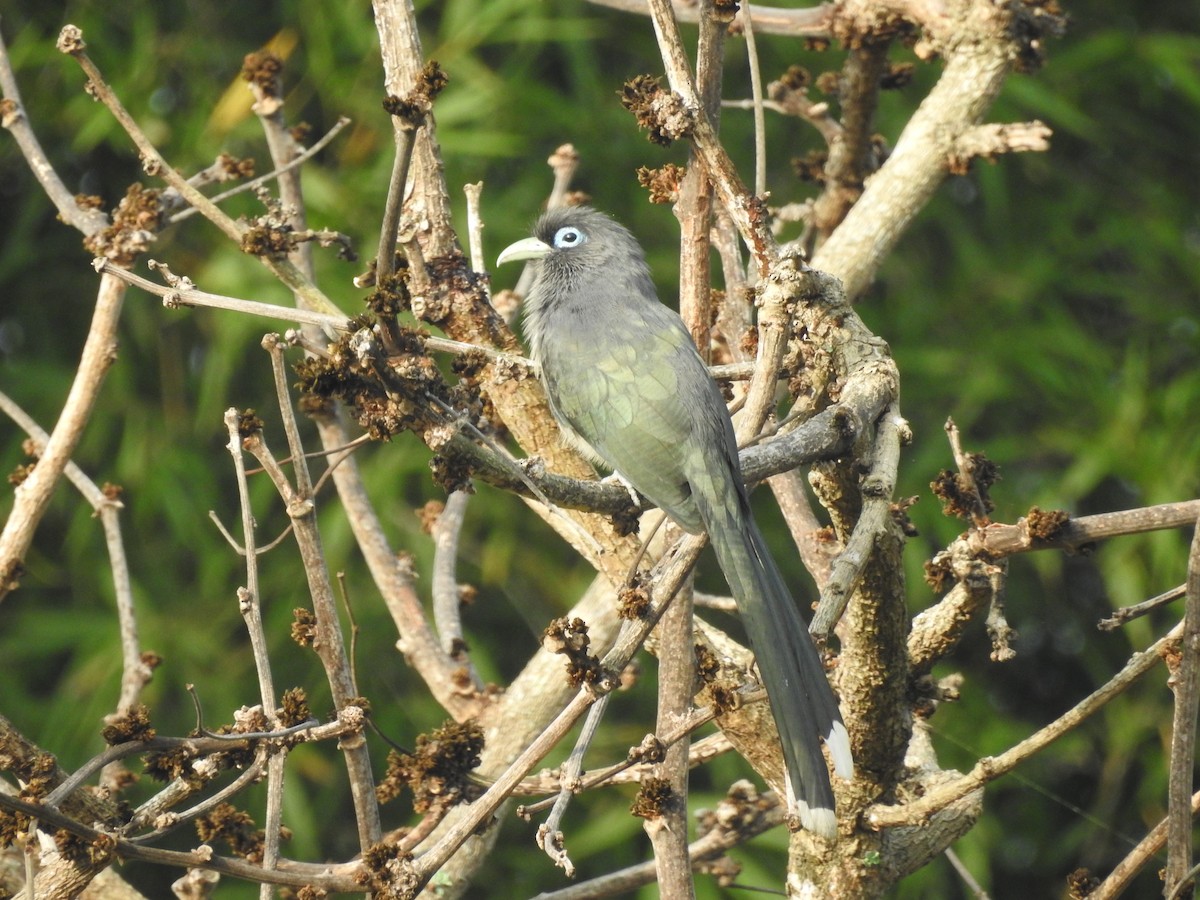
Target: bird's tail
(802, 702)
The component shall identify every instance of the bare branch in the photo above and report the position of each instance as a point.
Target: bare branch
(32, 496)
(979, 56)
(811, 22)
(1128, 613)
(1076, 533)
(329, 643)
(992, 767)
(549, 836)
(249, 597)
(1185, 682)
(742, 815)
(269, 176)
(475, 226)
(447, 598)
(342, 878)
(1138, 858)
(876, 516)
(71, 42)
(135, 670)
(12, 116)
(756, 90)
(385, 256)
(663, 796)
(992, 139)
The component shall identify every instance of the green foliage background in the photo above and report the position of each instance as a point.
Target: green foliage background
(1048, 303)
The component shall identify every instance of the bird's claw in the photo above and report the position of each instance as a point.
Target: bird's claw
(618, 478)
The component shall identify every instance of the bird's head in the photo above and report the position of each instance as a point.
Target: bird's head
(577, 240)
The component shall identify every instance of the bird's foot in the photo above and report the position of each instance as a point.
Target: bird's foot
(618, 478)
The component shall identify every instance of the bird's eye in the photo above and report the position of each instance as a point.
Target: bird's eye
(568, 237)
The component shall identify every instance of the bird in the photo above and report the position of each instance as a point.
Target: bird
(629, 390)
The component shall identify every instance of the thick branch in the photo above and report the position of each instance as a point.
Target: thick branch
(979, 57)
(32, 496)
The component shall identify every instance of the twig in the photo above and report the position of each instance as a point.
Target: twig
(812, 21)
(693, 207)
(999, 631)
(993, 138)
(635, 767)
(284, 148)
(485, 807)
(851, 151)
(806, 529)
(666, 816)
(1128, 613)
(966, 471)
(549, 835)
(936, 631)
(189, 296)
(70, 41)
(1184, 884)
(743, 814)
(475, 226)
(339, 878)
(668, 576)
(249, 603)
(877, 489)
(965, 874)
(135, 673)
(563, 162)
(974, 72)
(992, 767)
(719, 167)
(329, 643)
(720, 602)
(339, 669)
(760, 125)
(249, 597)
(777, 293)
(153, 808)
(1127, 869)
(447, 601)
(250, 185)
(389, 229)
(183, 294)
(86, 220)
(752, 104)
(197, 746)
(1185, 682)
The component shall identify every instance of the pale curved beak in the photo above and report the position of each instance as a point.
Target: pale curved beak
(530, 248)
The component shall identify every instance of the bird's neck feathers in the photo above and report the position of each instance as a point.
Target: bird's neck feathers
(580, 296)
(562, 300)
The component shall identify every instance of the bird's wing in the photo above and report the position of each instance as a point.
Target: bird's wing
(624, 395)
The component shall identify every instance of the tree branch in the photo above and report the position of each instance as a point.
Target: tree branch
(32, 496)
(1185, 682)
(990, 768)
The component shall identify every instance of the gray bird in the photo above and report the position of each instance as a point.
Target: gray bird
(629, 389)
